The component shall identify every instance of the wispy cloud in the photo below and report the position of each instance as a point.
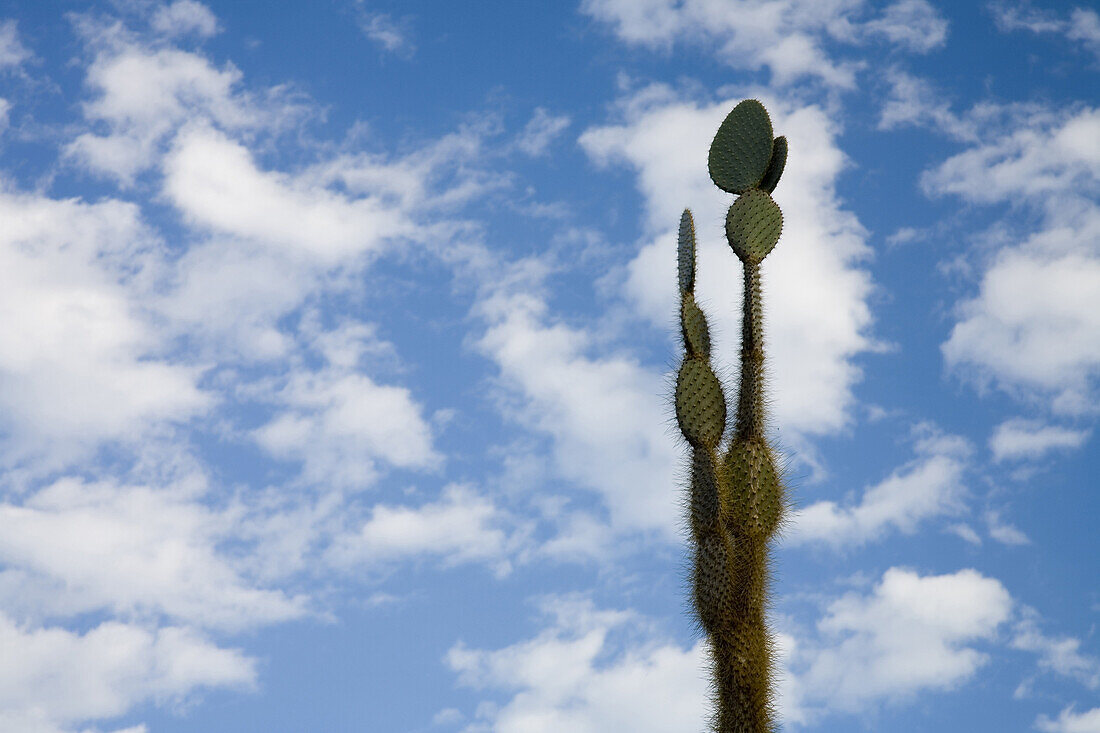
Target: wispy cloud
(12, 51)
(1081, 24)
(183, 17)
(392, 35)
(1071, 721)
(541, 130)
(1018, 439)
(930, 485)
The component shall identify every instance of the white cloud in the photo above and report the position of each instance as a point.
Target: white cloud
(598, 670)
(1018, 439)
(12, 50)
(786, 36)
(573, 677)
(909, 634)
(1070, 721)
(77, 547)
(52, 679)
(1061, 655)
(1034, 326)
(143, 95)
(1003, 532)
(81, 361)
(339, 422)
(1044, 154)
(382, 29)
(926, 487)
(965, 532)
(1082, 25)
(215, 184)
(606, 415)
(461, 527)
(914, 24)
(542, 129)
(183, 17)
(815, 294)
(914, 101)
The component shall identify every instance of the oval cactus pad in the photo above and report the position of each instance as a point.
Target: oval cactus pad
(753, 225)
(685, 253)
(700, 405)
(776, 165)
(742, 149)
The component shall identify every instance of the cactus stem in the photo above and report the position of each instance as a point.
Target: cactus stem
(750, 398)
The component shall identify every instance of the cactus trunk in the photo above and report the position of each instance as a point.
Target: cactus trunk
(737, 498)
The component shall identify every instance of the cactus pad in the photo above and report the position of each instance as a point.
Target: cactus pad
(756, 500)
(693, 325)
(741, 150)
(685, 253)
(753, 226)
(700, 404)
(775, 165)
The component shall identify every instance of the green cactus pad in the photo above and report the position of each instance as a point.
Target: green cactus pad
(700, 404)
(685, 253)
(756, 499)
(753, 225)
(775, 165)
(693, 327)
(741, 150)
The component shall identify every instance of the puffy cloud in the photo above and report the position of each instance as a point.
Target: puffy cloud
(597, 670)
(1070, 721)
(928, 486)
(462, 526)
(1033, 328)
(909, 634)
(572, 676)
(1035, 323)
(143, 94)
(816, 294)
(52, 679)
(1018, 439)
(76, 547)
(215, 184)
(339, 422)
(82, 362)
(606, 415)
(1042, 154)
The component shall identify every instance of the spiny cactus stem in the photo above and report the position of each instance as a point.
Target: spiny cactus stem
(750, 398)
(743, 655)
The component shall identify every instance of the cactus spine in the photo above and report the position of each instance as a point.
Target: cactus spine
(737, 498)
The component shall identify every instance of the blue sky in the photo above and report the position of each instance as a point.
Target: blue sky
(335, 368)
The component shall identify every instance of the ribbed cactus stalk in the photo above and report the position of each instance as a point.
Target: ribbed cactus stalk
(737, 498)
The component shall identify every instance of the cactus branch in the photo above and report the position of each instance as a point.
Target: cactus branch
(736, 496)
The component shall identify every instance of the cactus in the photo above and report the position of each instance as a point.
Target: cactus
(737, 499)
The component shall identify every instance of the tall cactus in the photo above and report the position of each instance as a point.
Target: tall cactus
(737, 499)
